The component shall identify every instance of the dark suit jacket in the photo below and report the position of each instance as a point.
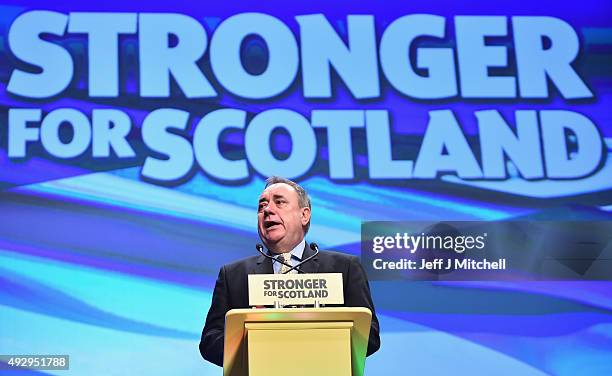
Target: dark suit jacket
(231, 291)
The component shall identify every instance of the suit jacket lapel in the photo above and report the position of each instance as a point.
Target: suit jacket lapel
(311, 266)
(263, 266)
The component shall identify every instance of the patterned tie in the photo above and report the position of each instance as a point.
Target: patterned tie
(284, 257)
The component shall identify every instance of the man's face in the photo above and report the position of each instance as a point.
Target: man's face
(280, 219)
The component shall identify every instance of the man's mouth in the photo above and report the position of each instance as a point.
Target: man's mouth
(270, 225)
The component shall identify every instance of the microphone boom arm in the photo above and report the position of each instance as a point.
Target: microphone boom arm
(259, 248)
(313, 246)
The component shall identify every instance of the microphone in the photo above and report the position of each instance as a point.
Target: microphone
(315, 248)
(259, 248)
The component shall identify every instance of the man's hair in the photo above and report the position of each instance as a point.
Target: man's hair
(303, 198)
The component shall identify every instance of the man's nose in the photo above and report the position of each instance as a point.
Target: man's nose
(268, 209)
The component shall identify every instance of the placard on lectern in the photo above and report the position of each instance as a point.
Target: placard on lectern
(296, 341)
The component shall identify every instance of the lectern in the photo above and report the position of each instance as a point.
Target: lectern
(296, 341)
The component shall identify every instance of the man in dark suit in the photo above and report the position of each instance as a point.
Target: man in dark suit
(283, 220)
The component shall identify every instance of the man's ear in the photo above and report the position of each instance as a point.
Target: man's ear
(305, 216)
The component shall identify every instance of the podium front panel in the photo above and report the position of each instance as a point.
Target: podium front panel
(254, 336)
(299, 350)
